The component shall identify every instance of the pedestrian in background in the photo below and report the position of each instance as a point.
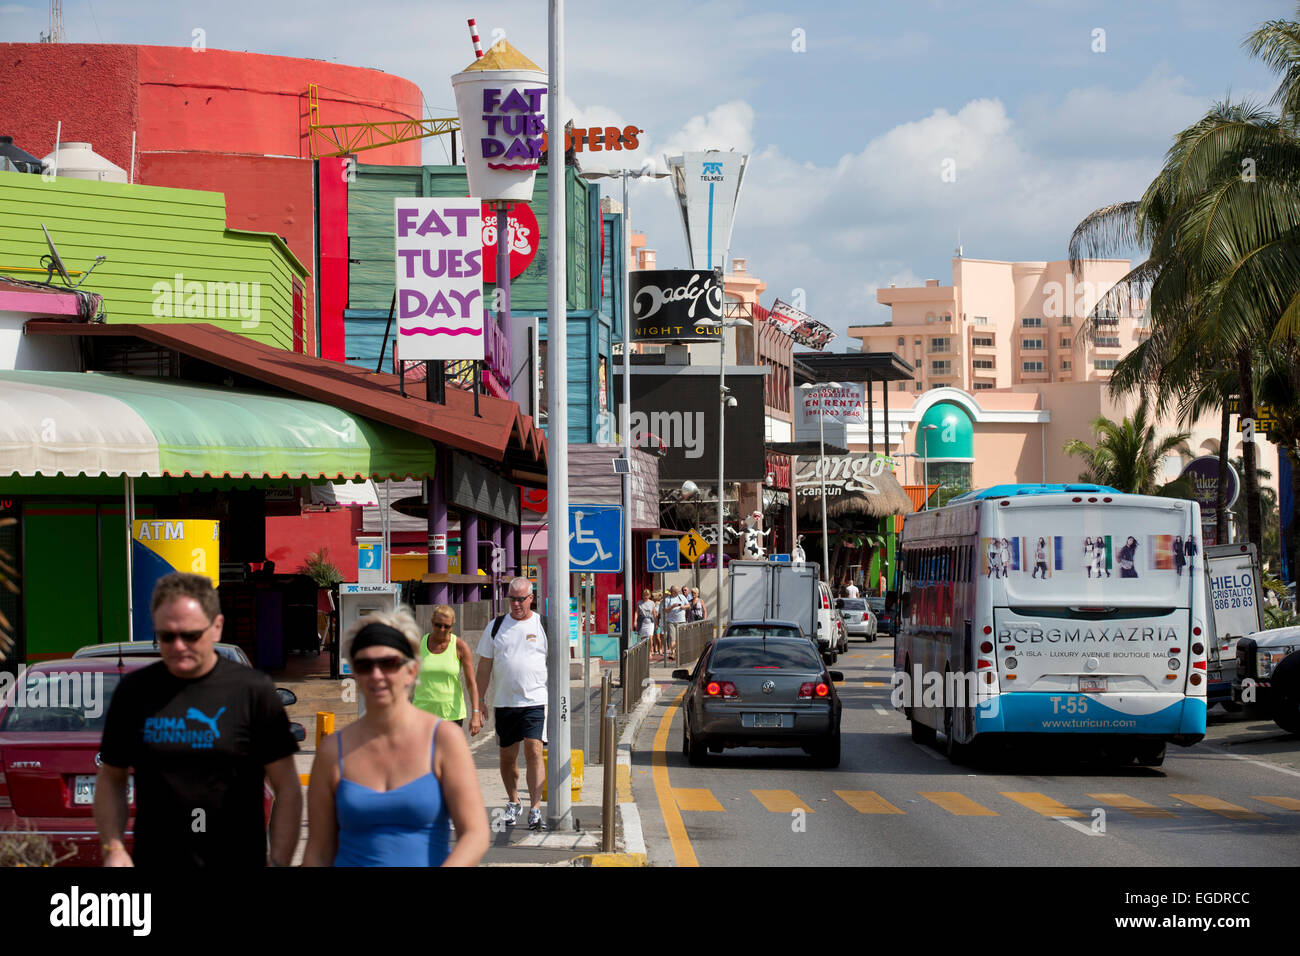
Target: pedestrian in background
(514, 648)
(202, 734)
(383, 788)
(645, 617)
(695, 610)
(444, 659)
(674, 612)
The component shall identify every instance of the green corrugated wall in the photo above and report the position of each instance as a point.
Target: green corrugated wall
(149, 235)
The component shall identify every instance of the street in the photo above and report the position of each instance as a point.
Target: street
(1232, 800)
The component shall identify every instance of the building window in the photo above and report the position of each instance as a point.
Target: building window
(1031, 366)
(981, 320)
(940, 345)
(1107, 318)
(1067, 320)
(1065, 343)
(983, 363)
(916, 341)
(1032, 345)
(902, 386)
(982, 341)
(1065, 365)
(1032, 322)
(980, 386)
(945, 318)
(901, 340)
(918, 386)
(1104, 365)
(1107, 341)
(940, 368)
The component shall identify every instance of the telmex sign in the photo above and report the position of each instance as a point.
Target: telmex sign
(675, 414)
(667, 305)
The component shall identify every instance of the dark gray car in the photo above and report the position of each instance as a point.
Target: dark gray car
(761, 692)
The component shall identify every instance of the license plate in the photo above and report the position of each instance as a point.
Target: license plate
(83, 789)
(767, 720)
(1091, 685)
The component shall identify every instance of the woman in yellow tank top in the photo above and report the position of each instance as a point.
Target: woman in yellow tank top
(443, 658)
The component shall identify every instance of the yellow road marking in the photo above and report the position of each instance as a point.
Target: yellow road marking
(677, 837)
(874, 683)
(623, 782)
(1222, 807)
(699, 801)
(1040, 803)
(1139, 808)
(304, 778)
(884, 655)
(959, 805)
(1286, 803)
(781, 801)
(867, 801)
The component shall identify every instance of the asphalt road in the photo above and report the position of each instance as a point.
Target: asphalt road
(1232, 800)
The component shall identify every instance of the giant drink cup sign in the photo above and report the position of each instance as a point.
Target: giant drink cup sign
(500, 99)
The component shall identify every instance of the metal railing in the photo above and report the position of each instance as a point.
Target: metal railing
(690, 640)
(636, 671)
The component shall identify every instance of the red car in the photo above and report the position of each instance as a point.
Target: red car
(51, 723)
(50, 728)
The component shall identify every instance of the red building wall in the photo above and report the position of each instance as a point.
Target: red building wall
(289, 539)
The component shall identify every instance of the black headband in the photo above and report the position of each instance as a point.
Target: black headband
(380, 635)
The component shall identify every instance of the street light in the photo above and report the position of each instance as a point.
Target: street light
(925, 475)
(592, 173)
(821, 469)
(725, 401)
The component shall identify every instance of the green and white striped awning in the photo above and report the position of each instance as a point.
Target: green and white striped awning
(94, 423)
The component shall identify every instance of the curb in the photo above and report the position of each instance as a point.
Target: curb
(633, 839)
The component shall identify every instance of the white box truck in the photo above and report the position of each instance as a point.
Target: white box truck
(781, 591)
(1235, 590)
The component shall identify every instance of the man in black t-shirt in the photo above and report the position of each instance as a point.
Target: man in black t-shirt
(201, 734)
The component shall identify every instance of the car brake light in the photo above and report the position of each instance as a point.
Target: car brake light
(729, 689)
(713, 688)
(822, 689)
(805, 690)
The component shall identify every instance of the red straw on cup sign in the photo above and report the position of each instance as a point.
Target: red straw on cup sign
(473, 33)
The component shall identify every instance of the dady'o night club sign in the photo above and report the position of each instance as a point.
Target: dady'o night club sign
(668, 305)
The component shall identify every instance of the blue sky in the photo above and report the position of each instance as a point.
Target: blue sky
(848, 138)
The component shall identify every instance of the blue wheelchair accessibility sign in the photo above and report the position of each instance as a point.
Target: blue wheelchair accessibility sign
(662, 556)
(595, 538)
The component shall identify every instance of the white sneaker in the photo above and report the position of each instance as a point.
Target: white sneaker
(535, 819)
(512, 814)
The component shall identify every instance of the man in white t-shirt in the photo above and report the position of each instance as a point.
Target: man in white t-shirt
(514, 647)
(850, 590)
(674, 613)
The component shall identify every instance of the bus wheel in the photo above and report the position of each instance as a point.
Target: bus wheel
(1150, 755)
(922, 733)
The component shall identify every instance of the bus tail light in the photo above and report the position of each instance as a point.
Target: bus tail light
(986, 647)
(1196, 679)
(1173, 676)
(1199, 665)
(1011, 677)
(983, 664)
(989, 676)
(1010, 663)
(1174, 663)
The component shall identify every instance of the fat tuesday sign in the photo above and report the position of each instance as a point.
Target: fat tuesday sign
(668, 304)
(439, 279)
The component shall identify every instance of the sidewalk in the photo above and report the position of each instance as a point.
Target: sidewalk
(517, 846)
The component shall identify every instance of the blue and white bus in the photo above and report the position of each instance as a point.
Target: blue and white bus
(1054, 609)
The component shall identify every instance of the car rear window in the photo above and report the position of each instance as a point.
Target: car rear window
(795, 656)
(851, 604)
(60, 701)
(742, 630)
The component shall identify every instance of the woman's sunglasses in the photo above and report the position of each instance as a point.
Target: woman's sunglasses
(389, 665)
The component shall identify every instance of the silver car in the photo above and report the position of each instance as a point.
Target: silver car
(150, 649)
(859, 620)
(761, 692)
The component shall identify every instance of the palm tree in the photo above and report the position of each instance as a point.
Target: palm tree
(1127, 454)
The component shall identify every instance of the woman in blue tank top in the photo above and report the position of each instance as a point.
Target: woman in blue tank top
(383, 789)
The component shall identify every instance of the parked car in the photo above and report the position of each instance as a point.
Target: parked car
(859, 619)
(761, 692)
(49, 752)
(886, 621)
(764, 629)
(150, 649)
(1270, 661)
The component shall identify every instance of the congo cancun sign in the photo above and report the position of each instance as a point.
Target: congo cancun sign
(668, 304)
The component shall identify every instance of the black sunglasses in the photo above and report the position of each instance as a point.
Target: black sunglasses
(519, 600)
(189, 637)
(389, 665)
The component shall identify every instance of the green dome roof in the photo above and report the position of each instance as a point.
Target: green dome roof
(952, 439)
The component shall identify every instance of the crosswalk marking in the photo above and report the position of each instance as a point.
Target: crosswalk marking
(1138, 808)
(780, 801)
(867, 801)
(1222, 807)
(957, 804)
(1286, 803)
(1041, 803)
(882, 710)
(699, 800)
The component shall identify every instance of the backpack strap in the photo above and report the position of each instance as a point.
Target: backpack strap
(496, 625)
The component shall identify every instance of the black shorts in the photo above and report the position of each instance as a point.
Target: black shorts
(519, 723)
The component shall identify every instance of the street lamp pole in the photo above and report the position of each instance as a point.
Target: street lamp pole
(926, 463)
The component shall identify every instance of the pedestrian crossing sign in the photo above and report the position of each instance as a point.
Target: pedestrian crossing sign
(692, 546)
